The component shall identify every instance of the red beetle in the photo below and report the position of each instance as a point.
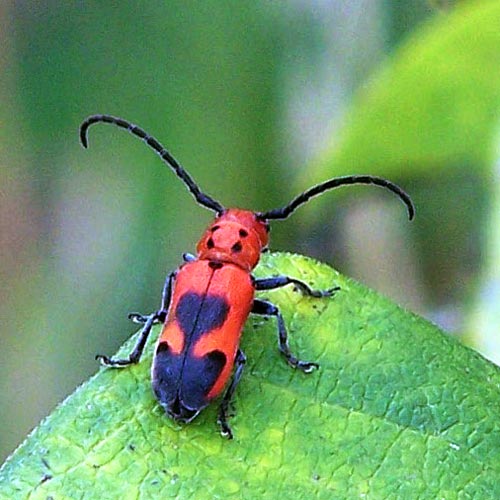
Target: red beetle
(206, 302)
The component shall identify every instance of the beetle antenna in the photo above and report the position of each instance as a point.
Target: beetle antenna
(201, 198)
(287, 210)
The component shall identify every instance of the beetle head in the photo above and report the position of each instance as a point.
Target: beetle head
(236, 236)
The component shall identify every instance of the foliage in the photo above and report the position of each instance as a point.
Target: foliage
(433, 104)
(397, 410)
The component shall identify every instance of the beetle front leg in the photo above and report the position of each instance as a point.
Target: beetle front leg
(279, 281)
(239, 363)
(266, 308)
(157, 317)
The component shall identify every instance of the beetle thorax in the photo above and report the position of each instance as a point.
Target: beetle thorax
(237, 236)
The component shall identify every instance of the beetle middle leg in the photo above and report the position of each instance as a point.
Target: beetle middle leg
(239, 363)
(148, 321)
(266, 308)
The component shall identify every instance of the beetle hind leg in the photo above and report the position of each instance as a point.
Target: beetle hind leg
(225, 406)
(266, 308)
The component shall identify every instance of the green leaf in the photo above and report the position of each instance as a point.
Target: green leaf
(397, 410)
(435, 103)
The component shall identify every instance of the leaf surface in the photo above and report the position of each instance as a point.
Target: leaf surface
(397, 410)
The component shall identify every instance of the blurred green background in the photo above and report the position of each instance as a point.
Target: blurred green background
(258, 100)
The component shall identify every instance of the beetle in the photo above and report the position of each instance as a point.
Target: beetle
(206, 301)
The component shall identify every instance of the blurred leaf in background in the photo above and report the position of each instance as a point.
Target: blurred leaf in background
(430, 114)
(244, 96)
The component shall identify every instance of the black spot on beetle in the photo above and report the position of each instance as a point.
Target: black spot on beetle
(213, 264)
(182, 381)
(200, 378)
(198, 314)
(243, 233)
(214, 228)
(236, 248)
(216, 359)
(191, 396)
(162, 347)
(166, 373)
(210, 243)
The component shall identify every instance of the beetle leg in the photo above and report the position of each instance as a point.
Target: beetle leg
(166, 295)
(188, 257)
(156, 317)
(135, 355)
(239, 362)
(139, 318)
(266, 308)
(279, 281)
